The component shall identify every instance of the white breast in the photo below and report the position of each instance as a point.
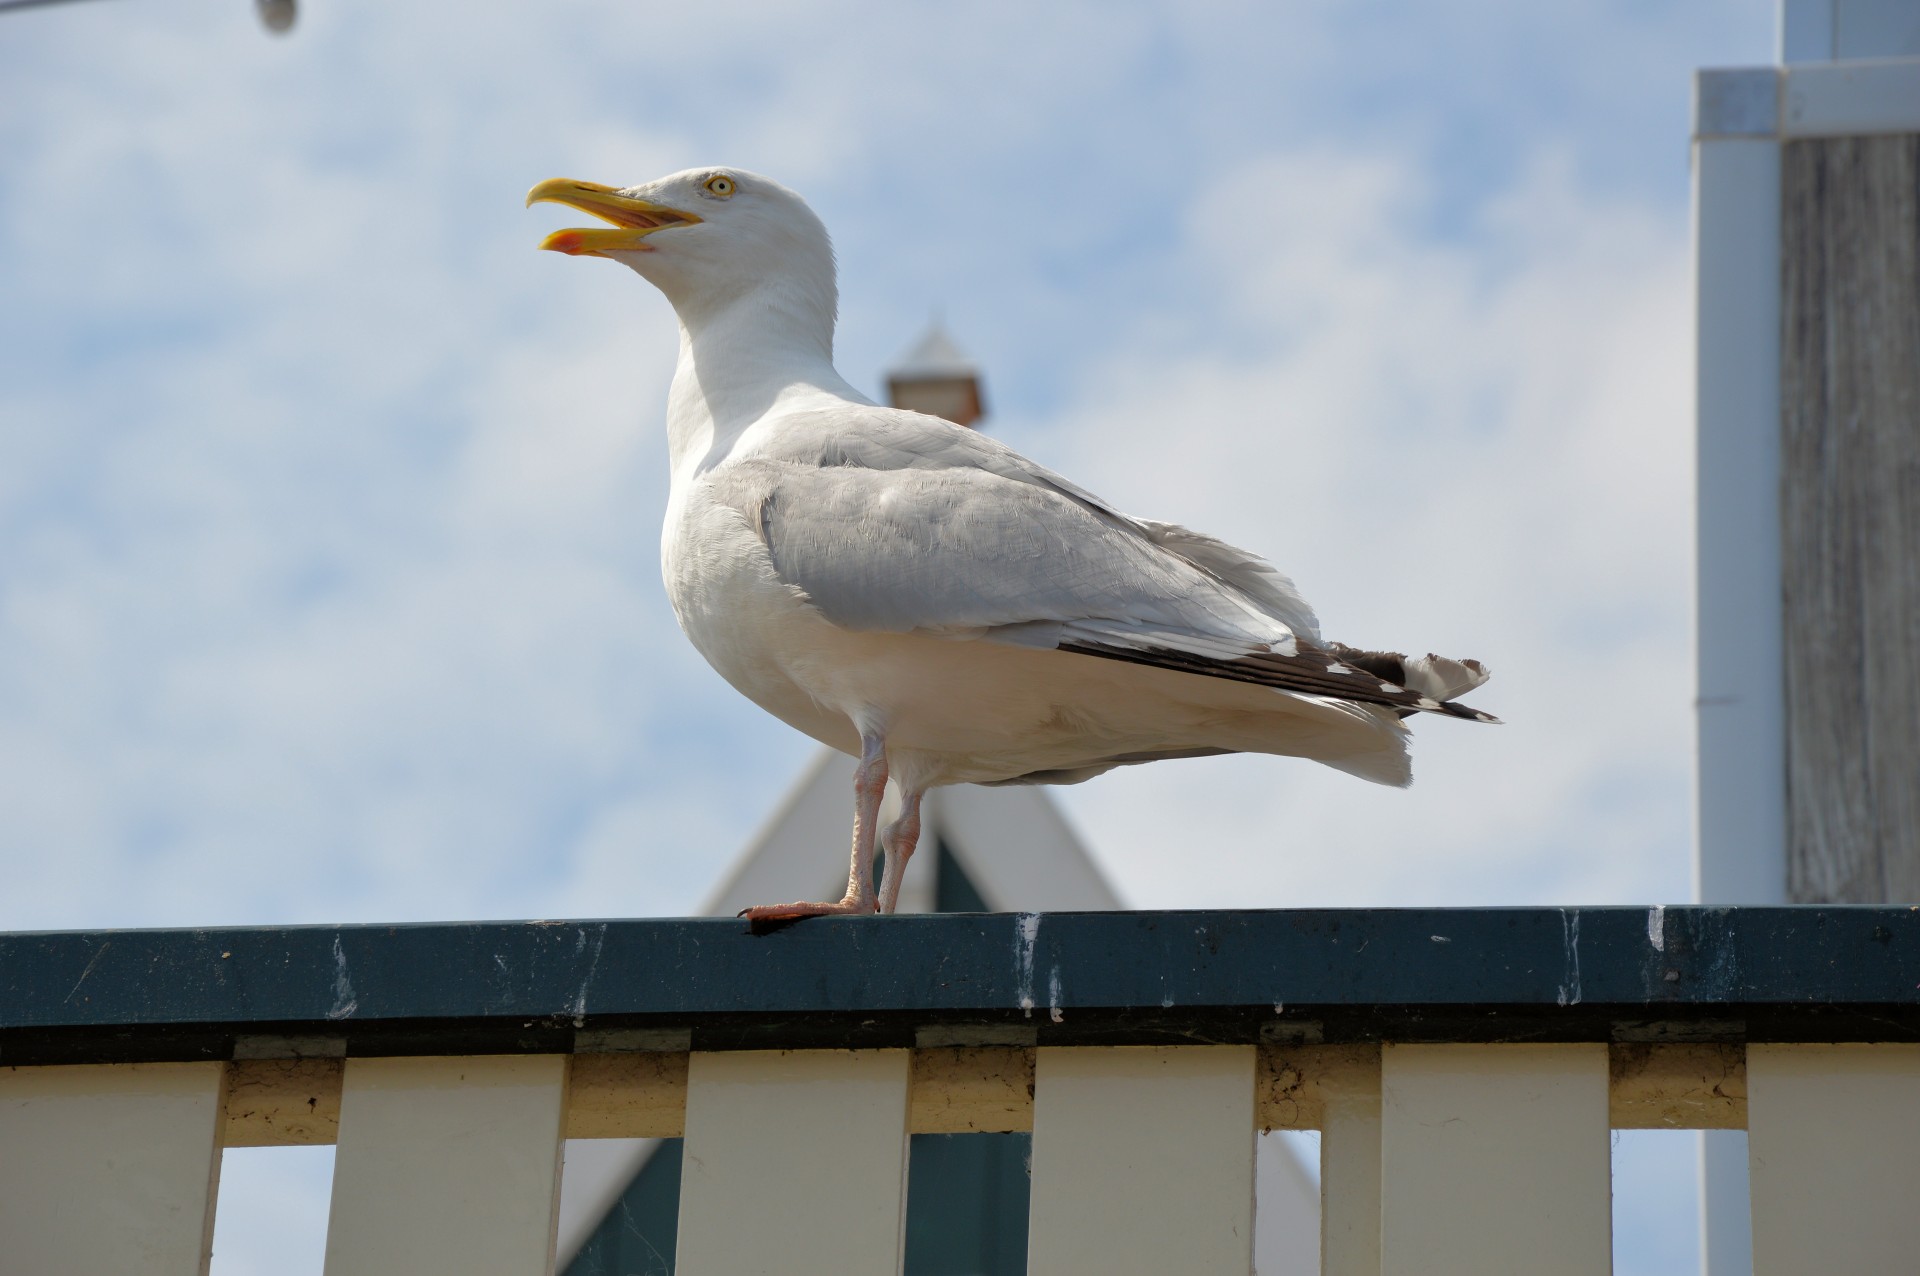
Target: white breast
(754, 630)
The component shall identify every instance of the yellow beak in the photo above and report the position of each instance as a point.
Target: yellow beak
(634, 218)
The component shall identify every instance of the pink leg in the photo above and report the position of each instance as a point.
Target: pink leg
(869, 786)
(898, 841)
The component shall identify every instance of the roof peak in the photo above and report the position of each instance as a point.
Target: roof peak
(934, 355)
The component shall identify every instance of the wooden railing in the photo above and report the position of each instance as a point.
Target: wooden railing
(1464, 1066)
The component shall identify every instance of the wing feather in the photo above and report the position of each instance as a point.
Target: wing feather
(892, 439)
(966, 551)
(899, 522)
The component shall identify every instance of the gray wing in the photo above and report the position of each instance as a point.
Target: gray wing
(951, 551)
(902, 527)
(890, 439)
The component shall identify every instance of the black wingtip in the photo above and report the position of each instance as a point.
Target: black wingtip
(1454, 709)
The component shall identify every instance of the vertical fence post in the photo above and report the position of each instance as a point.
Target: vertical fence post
(447, 1164)
(1350, 1172)
(1495, 1158)
(795, 1161)
(109, 1168)
(1740, 706)
(1142, 1160)
(1833, 1138)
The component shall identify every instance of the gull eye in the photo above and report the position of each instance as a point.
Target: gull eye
(720, 184)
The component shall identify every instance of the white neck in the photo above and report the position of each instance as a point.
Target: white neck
(741, 359)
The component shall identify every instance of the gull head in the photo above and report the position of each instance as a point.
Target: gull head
(705, 237)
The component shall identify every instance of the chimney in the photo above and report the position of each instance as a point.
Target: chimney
(935, 378)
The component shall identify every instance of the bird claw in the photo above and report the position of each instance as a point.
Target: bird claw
(763, 919)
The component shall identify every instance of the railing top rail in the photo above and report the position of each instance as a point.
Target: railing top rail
(1298, 975)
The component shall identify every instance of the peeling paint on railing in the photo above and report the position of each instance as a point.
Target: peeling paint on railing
(1029, 936)
(593, 967)
(344, 1002)
(1570, 984)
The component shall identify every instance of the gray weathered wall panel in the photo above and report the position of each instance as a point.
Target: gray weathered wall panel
(1850, 516)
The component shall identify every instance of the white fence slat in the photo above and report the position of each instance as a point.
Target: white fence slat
(1350, 1175)
(1495, 1158)
(1142, 1161)
(447, 1164)
(795, 1161)
(109, 1168)
(1833, 1156)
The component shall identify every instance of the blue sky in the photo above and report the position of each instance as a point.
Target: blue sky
(329, 507)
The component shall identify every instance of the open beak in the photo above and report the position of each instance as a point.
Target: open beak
(633, 219)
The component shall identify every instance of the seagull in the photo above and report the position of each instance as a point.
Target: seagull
(923, 597)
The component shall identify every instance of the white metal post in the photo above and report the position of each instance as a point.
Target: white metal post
(109, 1168)
(1742, 708)
(1806, 30)
(1350, 1174)
(447, 1163)
(795, 1161)
(1495, 1158)
(1143, 1160)
(1835, 1137)
(1742, 813)
(1831, 30)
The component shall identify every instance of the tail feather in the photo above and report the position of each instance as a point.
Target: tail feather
(1439, 677)
(1444, 678)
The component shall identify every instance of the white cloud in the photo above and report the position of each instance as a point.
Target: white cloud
(1478, 448)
